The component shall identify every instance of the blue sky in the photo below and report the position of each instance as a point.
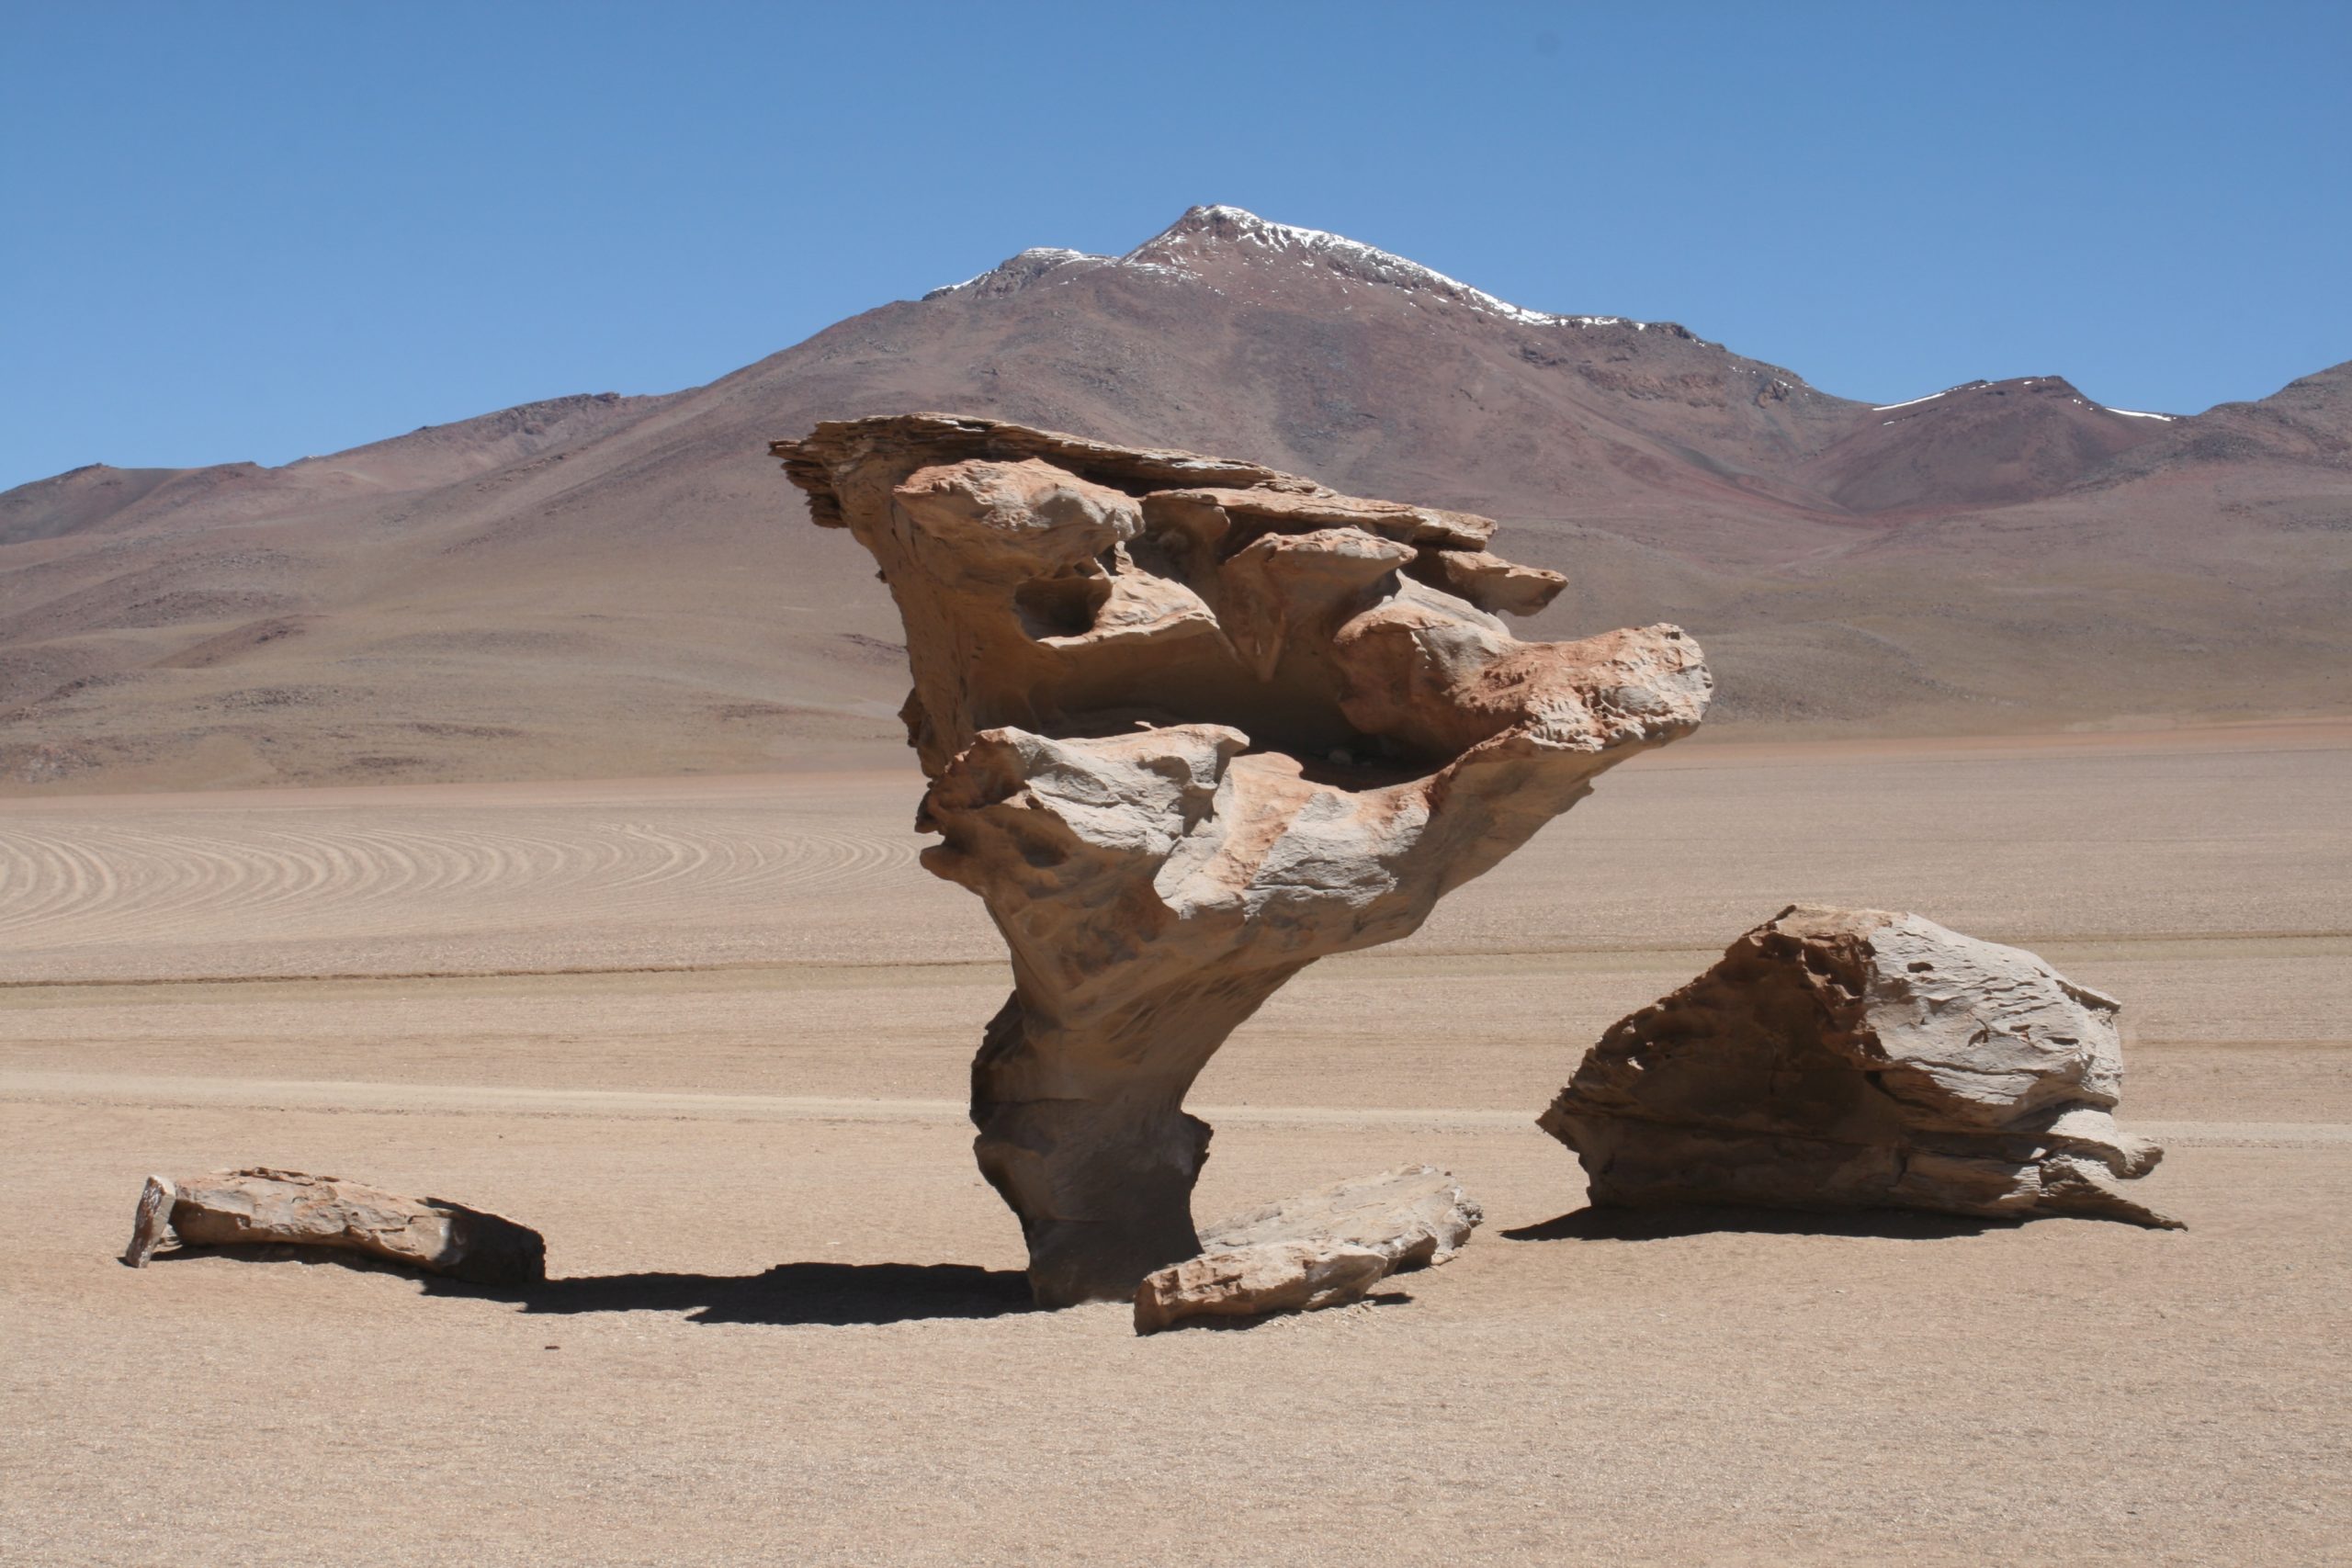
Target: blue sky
(260, 231)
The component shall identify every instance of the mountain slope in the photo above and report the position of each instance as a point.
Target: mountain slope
(1985, 444)
(626, 585)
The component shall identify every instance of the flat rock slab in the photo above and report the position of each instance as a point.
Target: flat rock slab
(260, 1206)
(1253, 1281)
(1321, 1249)
(1416, 1215)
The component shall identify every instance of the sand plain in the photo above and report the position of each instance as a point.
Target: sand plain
(710, 1036)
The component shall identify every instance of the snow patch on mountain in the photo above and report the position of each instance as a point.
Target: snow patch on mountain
(2026, 381)
(1179, 251)
(1015, 271)
(1203, 227)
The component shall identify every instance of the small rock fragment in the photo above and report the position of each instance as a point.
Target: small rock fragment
(1251, 1281)
(1321, 1248)
(1416, 1216)
(152, 1226)
(259, 1205)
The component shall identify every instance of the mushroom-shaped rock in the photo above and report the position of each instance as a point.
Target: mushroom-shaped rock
(1191, 724)
(1857, 1058)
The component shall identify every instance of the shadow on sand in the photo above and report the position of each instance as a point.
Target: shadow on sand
(828, 1293)
(1663, 1223)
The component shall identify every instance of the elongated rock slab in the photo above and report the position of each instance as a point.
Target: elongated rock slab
(1257, 1281)
(1299, 1254)
(1416, 1216)
(243, 1208)
(1857, 1058)
(1192, 725)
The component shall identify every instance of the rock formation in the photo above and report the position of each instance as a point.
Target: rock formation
(244, 1208)
(1192, 724)
(1854, 1058)
(1322, 1248)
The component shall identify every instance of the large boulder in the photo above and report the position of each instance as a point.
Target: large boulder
(1849, 1058)
(244, 1208)
(1192, 724)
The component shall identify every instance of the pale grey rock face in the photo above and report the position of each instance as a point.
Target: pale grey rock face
(245, 1208)
(1192, 724)
(1416, 1216)
(1843, 1058)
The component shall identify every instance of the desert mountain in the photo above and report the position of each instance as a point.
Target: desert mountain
(1985, 444)
(611, 585)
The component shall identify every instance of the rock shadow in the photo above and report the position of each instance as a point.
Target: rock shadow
(820, 1294)
(1665, 1222)
(790, 1294)
(281, 1252)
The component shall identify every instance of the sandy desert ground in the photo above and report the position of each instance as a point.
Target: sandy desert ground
(710, 1036)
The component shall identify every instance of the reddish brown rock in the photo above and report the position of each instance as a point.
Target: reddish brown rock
(1190, 725)
(239, 1207)
(1853, 1058)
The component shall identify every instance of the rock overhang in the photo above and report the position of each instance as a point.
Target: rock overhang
(1192, 724)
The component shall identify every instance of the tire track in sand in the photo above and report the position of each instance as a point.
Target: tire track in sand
(70, 880)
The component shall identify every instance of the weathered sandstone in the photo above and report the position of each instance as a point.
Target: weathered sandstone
(1851, 1058)
(241, 1208)
(1416, 1216)
(1318, 1249)
(1191, 724)
(1257, 1281)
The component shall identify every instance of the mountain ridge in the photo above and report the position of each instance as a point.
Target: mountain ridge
(601, 585)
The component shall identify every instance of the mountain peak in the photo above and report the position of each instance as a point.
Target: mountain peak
(1018, 271)
(1204, 231)
(1224, 235)
(2048, 386)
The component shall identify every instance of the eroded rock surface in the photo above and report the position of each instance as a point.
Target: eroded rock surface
(1257, 1281)
(1416, 1216)
(1849, 1058)
(244, 1208)
(1192, 724)
(1322, 1248)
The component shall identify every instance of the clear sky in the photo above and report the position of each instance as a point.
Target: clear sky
(260, 231)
